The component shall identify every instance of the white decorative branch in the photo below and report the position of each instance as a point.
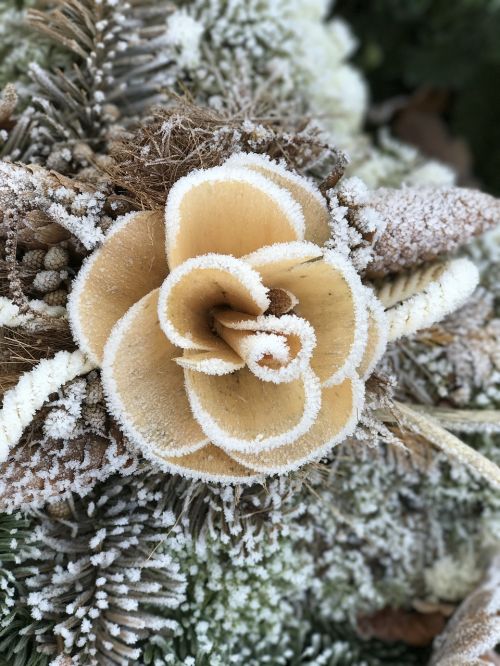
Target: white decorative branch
(11, 317)
(419, 299)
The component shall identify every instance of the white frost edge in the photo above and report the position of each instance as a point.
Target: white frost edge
(33, 389)
(113, 401)
(290, 208)
(249, 278)
(249, 160)
(79, 285)
(284, 325)
(209, 366)
(227, 442)
(376, 309)
(323, 450)
(271, 254)
(189, 473)
(440, 298)
(355, 356)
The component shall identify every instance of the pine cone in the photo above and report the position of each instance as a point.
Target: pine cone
(34, 259)
(48, 471)
(425, 223)
(46, 281)
(56, 258)
(57, 297)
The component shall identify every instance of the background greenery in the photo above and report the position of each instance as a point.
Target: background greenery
(448, 48)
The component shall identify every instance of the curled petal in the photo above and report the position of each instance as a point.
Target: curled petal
(240, 412)
(129, 264)
(145, 388)
(313, 205)
(340, 409)
(330, 297)
(377, 336)
(200, 284)
(276, 349)
(229, 211)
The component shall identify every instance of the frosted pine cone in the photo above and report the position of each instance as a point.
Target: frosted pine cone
(56, 258)
(47, 281)
(34, 259)
(424, 223)
(58, 297)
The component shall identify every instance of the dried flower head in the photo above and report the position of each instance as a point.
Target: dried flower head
(248, 357)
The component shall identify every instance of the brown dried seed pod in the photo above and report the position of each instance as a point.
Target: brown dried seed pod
(34, 259)
(58, 297)
(425, 223)
(94, 416)
(59, 509)
(46, 281)
(56, 258)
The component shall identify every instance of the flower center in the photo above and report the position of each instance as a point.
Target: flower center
(275, 348)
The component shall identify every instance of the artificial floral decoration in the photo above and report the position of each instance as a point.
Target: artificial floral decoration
(253, 312)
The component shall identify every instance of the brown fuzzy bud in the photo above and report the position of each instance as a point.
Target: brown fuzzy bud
(425, 223)
(59, 509)
(94, 416)
(56, 258)
(46, 281)
(57, 297)
(34, 259)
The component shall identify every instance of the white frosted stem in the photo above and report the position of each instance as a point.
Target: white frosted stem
(21, 403)
(453, 447)
(11, 317)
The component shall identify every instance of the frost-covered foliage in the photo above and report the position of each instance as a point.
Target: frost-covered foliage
(386, 524)
(101, 577)
(18, 47)
(355, 224)
(390, 163)
(79, 209)
(227, 49)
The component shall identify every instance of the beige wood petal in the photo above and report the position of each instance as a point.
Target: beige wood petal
(228, 211)
(340, 409)
(331, 298)
(272, 261)
(241, 412)
(129, 264)
(313, 204)
(193, 289)
(210, 464)
(376, 339)
(145, 387)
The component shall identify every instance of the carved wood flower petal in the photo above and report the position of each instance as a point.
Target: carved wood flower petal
(236, 346)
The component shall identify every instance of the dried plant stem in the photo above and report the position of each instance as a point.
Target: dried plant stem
(15, 284)
(454, 448)
(463, 420)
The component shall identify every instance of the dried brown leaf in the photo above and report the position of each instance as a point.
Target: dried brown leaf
(474, 631)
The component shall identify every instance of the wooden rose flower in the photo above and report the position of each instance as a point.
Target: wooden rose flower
(231, 344)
